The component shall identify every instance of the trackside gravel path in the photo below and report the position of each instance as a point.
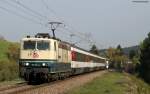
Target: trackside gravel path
(63, 86)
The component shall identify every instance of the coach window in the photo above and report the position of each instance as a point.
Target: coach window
(83, 58)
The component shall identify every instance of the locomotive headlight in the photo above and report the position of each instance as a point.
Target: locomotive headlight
(27, 64)
(43, 64)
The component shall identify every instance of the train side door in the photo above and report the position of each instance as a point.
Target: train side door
(59, 52)
(63, 53)
(55, 50)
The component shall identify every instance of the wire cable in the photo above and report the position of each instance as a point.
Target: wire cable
(50, 10)
(29, 9)
(22, 10)
(19, 15)
(77, 33)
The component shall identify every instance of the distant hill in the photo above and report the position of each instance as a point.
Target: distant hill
(126, 50)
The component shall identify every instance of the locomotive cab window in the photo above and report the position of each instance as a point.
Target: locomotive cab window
(39, 45)
(29, 45)
(42, 45)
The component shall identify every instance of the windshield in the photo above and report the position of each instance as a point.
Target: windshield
(29, 45)
(42, 45)
(39, 45)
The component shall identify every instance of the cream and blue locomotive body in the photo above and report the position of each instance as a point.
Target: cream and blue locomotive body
(45, 59)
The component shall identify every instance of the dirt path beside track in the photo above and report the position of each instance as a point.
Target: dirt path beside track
(63, 86)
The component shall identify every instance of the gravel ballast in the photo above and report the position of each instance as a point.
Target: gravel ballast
(63, 86)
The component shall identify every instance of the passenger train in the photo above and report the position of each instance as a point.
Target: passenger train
(45, 58)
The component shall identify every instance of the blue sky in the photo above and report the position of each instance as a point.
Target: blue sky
(109, 22)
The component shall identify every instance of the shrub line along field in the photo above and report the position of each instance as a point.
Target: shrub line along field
(113, 83)
(8, 58)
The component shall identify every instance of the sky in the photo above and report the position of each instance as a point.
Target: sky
(106, 22)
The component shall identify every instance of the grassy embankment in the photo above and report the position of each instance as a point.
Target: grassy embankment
(8, 58)
(113, 83)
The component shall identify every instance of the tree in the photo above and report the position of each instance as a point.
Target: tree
(117, 58)
(111, 53)
(119, 50)
(94, 50)
(132, 53)
(13, 52)
(144, 70)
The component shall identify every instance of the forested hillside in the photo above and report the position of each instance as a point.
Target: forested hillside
(126, 50)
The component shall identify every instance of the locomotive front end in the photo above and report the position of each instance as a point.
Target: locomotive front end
(36, 57)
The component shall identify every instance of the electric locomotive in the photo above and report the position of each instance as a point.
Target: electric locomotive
(45, 58)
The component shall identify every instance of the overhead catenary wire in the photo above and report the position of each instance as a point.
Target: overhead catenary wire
(47, 8)
(78, 40)
(40, 16)
(81, 39)
(79, 34)
(29, 9)
(19, 15)
(50, 10)
(21, 10)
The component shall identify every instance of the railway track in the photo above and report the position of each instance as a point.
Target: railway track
(24, 87)
(12, 86)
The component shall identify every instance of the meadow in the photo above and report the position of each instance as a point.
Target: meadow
(113, 83)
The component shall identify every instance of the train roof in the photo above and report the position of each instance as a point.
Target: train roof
(87, 52)
(41, 36)
(46, 36)
(33, 38)
(83, 50)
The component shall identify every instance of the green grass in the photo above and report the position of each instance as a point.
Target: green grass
(140, 85)
(113, 83)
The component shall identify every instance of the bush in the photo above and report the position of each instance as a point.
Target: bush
(9, 55)
(8, 70)
(13, 52)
